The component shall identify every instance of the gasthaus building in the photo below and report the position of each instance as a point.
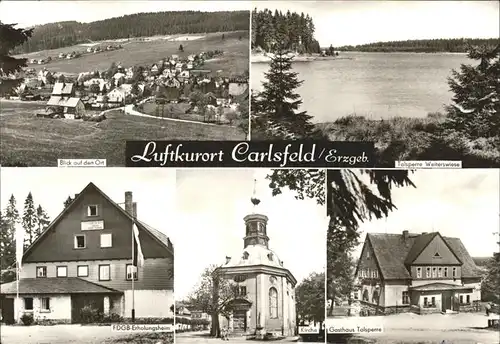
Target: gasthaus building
(84, 258)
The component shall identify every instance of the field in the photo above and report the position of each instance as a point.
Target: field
(234, 61)
(414, 139)
(31, 141)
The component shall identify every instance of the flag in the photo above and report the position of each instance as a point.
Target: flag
(19, 233)
(138, 258)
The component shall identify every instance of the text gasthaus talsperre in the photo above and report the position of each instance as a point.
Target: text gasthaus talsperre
(242, 153)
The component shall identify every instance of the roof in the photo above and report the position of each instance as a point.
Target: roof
(161, 238)
(439, 286)
(63, 101)
(56, 285)
(62, 88)
(257, 255)
(393, 253)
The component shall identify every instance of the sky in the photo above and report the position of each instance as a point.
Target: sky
(211, 205)
(29, 13)
(360, 22)
(152, 188)
(457, 203)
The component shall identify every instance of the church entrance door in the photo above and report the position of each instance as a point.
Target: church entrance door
(239, 321)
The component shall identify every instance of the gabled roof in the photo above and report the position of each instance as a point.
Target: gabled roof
(56, 285)
(159, 237)
(62, 88)
(63, 101)
(392, 251)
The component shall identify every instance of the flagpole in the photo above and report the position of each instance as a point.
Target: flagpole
(17, 292)
(133, 256)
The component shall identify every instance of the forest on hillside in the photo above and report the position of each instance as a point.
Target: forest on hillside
(63, 34)
(294, 29)
(457, 45)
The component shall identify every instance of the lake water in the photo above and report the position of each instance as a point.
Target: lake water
(374, 85)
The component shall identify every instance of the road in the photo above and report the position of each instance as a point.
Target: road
(463, 328)
(58, 334)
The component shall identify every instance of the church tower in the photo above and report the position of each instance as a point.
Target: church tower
(256, 225)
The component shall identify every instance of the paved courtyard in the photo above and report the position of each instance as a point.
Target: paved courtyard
(463, 328)
(203, 338)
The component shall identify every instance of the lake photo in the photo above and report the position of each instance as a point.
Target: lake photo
(374, 85)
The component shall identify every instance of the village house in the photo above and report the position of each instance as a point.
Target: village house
(422, 273)
(154, 68)
(72, 108)
(237, 88)
(118, 94)
(43, 75)
(84, 258)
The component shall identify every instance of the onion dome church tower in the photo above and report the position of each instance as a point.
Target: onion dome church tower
(264, 290)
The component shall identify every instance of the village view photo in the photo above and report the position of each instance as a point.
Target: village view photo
(84, 254)
(409, 76)
(84, 78)
(415, 259)
(250, 265)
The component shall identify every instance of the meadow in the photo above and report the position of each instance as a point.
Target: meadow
(31, 141)
(147, 51)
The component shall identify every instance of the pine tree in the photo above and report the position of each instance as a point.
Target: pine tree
(181, 48)
(42, 220)
(7, 250)
(275, 110)
(475, 111)
(29, 220)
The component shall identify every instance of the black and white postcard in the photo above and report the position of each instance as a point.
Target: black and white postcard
(415, 258)
(418, 78)
(250, 265)
(86, 256)
(79, 78)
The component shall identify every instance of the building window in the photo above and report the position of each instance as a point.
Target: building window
(273, 303)
(436, 255)
(467, 297)
(131, 269)
(45, 304)
(82, 271)
(368, 273)
(106, 240)
(419, 272)
(92, 210)
(270, 256)
(28, 303)
(445, 272)
(425, 302)
(62, 271)
(245, 255)
(454, 272)
(406, 298)
(433, 301)
(434, 272)
(41, 271)
(428, 272)
(104, 273)
(440, 272)
(79, 241)
(368, 255)
(242, 291)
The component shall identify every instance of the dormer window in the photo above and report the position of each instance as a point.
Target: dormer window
(245, 255)
(270, 256)
(367, 254)
(436, 255)
(92, 210)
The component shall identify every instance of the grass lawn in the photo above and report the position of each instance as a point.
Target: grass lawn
(144, 338)
(31, 141)
(177, 111)
(234, 61)
(402, 138)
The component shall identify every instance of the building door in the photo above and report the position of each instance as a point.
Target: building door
(78, 302)
(7, 310)
(446, 301)
(239, 321)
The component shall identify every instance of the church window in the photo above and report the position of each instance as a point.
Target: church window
(245, 255)
(270, 256)
(273, 303)
(428, 272)
(419, 272)
(436, 255)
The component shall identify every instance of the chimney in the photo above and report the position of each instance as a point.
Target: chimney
(405, 235)
(228, 259)
(134, 209)
(128, 202)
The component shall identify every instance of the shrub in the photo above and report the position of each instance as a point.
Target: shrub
(112, 318)
(90, 315)
(27, 319)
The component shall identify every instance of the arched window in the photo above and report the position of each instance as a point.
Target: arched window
(245, 255)
(365, 296)
(273, 303)
(375, 297)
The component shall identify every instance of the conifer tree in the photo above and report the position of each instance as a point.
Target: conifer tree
(29, 220)
(42, 220)
(475, 111)
(275, 110)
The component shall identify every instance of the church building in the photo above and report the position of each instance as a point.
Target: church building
(263, 302)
